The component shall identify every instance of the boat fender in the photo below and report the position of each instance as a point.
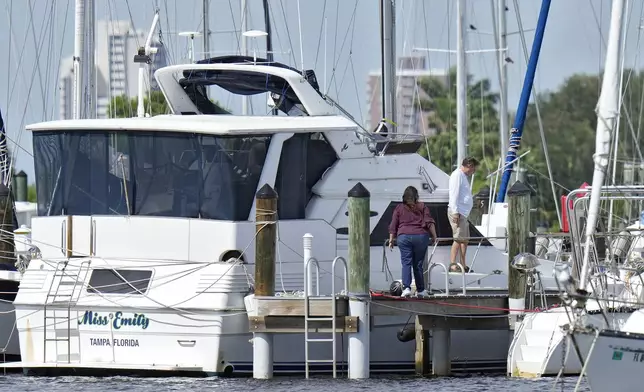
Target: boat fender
(396, 288)
(406, 334)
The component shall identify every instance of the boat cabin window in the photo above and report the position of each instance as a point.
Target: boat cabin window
(148, 173)
(217, 92)
(303, 161)
(123, 281)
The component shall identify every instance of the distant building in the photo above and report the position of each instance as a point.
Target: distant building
(409, 117)
(116, 73)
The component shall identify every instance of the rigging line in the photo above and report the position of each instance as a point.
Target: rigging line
(299, 23)
(355, 84)
(232, 16)
(19, 63)
(288, 32)
(352, 27)
(129, 11)
(51, 48)
(335, 66)
(483, 65)
(317, 52)
(424, 118)
(169, 45)
(37, 61)
(10, 14)
(276, 31)
(24, 113)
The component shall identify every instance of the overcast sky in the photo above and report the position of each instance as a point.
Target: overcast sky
(41, 33)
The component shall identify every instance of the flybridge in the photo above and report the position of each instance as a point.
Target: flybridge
(291, 91)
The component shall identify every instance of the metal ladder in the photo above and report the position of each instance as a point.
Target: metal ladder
(307, 312)
(62, 278)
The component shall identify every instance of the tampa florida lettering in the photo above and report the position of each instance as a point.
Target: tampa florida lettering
(117, 320)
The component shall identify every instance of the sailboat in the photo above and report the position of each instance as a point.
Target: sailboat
(610, 353)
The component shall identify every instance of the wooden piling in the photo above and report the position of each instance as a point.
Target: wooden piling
(422, 348)
(266, 229)
(7, 255)
(359, 279)
(518, 233)
(481, 206)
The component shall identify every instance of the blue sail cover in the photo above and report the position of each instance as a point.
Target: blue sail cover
(5, 167)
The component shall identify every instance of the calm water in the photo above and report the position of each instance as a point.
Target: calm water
(18, 383)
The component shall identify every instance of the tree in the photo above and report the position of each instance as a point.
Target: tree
(440, 104)
(122, 106)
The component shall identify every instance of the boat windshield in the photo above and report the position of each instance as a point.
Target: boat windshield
(174, 174)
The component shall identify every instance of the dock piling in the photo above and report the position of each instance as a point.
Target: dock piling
(422, 348)
(359, 271)
(441, 342)
(518, 232)
(266, 229)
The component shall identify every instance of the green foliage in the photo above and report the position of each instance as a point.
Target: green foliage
(122, 106)
(31, 193)
(569, 122)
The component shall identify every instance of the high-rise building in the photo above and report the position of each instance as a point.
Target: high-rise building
(409, 117)
(116, 73)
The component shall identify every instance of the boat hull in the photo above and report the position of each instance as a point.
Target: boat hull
(615, 355)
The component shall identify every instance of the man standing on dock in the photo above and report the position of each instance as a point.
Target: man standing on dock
(458, 209)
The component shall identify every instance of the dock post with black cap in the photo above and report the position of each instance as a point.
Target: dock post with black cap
(265, 242)
(359, 271)
(481, 206)
(518, 233)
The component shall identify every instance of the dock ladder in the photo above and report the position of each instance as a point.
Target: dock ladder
(68, 296)
(334, 314)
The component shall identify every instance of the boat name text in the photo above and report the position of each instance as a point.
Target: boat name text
(117, 320)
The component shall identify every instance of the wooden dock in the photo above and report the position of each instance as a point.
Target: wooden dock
(435, 316)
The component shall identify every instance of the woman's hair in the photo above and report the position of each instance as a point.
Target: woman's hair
(410, 198)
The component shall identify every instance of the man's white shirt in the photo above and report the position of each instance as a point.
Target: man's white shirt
(460, 193)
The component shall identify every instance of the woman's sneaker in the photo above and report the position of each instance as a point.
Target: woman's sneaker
(406, 293)
(422, 294)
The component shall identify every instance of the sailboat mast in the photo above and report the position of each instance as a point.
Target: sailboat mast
(461, 84)
(388, 80)
(607, 113)
(503, 76)
(91, 58)
(269, 39)
(79, 58)
(517, 130)
(206, 28)
(244, 48)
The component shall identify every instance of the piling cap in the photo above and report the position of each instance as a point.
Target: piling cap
(519, 189)
(359, 191)
(21, 173)
(4, 190)
(266, 192)
(484, 193)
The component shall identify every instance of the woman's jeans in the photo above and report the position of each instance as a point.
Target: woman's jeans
(413, 248)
